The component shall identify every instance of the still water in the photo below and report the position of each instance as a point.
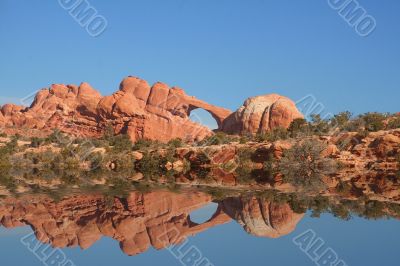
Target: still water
(190, 228)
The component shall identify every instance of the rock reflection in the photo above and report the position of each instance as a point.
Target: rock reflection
(161, 218)
(139, 221)
(261, 217)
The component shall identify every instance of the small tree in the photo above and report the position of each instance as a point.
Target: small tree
(341, 119)
(318, 125)
(394, 123)
(374, 121)
(297, 127)
(273, 135)
(303, 165)
(175, 143)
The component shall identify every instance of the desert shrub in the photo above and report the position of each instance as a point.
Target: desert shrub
(11, 146)
(95, 160)
(146, 144)
(394, 123)
(341, 211)
(99, 143)
(57, 137)
(374, 121)
(5, 167)
(120, 143)
(245, 139)
(3, 135)
(216, 193)
(5, 164)
(303, 165)
(319, 205)
(319, 126)
(201, 159)
(36, 142)
(175, 143)
(355, 125)
(108, 133)
(218, 138)
(244, 168)
(395, 208)
(273, 135)
(343, 188)
(151, 165)
(374, 210)
(299, 127)
(7, 181)
(340, 120)
(71, 176)
(124, 163)
(297, 204)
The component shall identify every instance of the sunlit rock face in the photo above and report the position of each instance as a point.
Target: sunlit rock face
(155, 112)
(157, 219)
(262, 218)
(262, 114)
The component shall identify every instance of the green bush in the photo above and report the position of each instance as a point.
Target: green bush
(36, 142)
(374, 210)
(303, 165)
(299, 127)
(355, 125)
(319, 126)
(121, 143)
(57, 137)
(151, 165)
(273, 135)
(394, 123)
(244, 168)
(340, 120)
(175, 143)
(146, 144)
(374, 121)
(218, 138)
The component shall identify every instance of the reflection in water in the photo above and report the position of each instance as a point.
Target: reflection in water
(137, 222)
(141, 220)
(261, 217)
(204, 213)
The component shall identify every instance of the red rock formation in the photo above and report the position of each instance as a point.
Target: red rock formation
(157, 112)
(157, 219)
(261, 114)
(262, 218)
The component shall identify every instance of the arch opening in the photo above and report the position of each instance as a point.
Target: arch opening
(203, 117)
(203, 214)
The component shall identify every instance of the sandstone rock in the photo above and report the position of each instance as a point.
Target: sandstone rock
(262, 218)
(157, 219)
(261, 114)
(137, 155)
(143, 112)
(178, 166)
(137, 177)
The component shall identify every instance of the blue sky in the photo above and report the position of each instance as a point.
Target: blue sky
(220, 51)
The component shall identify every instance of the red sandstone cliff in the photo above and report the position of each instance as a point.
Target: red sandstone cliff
(157, 219)
(155, 112)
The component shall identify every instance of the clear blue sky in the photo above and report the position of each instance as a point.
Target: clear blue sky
(221, 51)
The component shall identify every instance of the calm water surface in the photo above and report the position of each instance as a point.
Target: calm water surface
(233, 231)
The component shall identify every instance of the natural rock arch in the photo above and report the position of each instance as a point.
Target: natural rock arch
(218, 113)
